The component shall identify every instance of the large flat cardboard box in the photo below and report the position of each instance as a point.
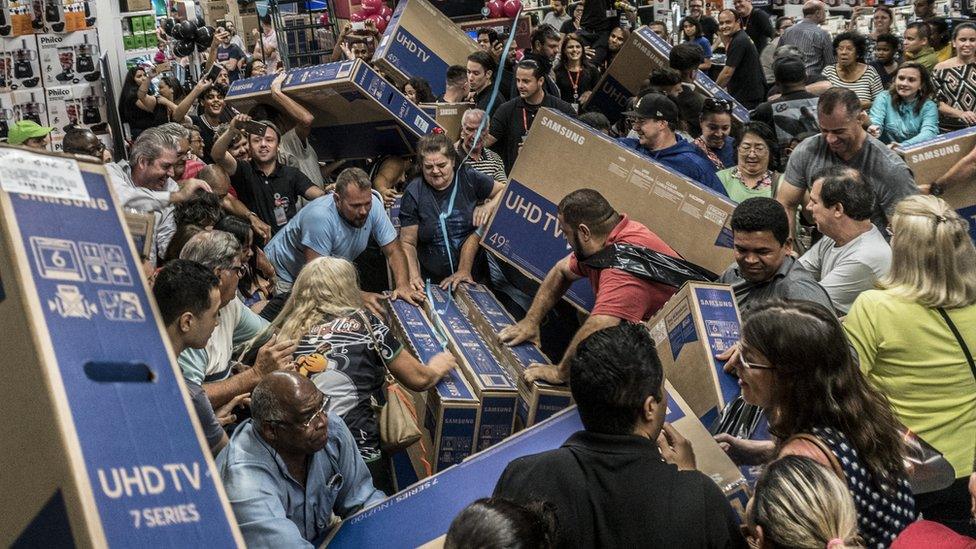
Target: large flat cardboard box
(537, 400)
(697, 323)
(644, 52)
(448, 116)
(562, 155)
(357, 113)
(930, 159)
(101, 446)
(492, 382)
(452, 409)
(503, 26)
(420, 41)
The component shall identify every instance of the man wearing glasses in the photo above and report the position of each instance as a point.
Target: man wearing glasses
(292, 465)
(708, 23)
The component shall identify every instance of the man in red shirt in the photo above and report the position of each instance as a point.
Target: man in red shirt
(590, 224)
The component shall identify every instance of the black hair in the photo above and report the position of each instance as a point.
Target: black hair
(183, 285)
(845, 186)
(484, 59)
(938, 31)
(237, 226)
(202, 209)
(590, 208)
(421, 89)
(764, 132)
(892, 40)
(537, 71)
(661, 79)
(250, 66)
(456, 74)
(758, 214)
(926, 90)
(543, 33)
(686, 56)
(596, 120)
(858, 39)
(780, 19)
(921, 27)
(497, 523)
(264, 111)
(789, 70)
(129, 94)
(690, 21)
(967, 25)
(492, 34)
(611, 374)
(839, 97)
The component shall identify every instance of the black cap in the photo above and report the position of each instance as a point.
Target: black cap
(656, 106)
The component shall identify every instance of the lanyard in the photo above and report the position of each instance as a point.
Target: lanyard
(574, 82)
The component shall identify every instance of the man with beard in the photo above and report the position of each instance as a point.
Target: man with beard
(266, 187)
(590, 224)
(340, 225)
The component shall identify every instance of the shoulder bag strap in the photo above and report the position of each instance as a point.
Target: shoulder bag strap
(962, 342)
(831, 458)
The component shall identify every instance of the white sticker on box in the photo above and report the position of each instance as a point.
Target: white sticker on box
(29, 173)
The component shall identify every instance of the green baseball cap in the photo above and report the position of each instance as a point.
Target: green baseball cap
(24, 130)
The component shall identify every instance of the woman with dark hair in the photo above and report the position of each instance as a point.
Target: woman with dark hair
(256, 286)
(955, 80)
(211, 112)
(907, 114)
(618, 37)
(497, 523)
(418, 90)
(715, 143)
(757, 161)
(255, 67)
(575, 76)
(795, 362)
(691, 31)
(850, 71)
(137, 108)
(172, 90)
(886, 54)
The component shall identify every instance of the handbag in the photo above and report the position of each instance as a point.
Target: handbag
(398, 420)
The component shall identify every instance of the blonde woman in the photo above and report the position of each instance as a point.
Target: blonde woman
(347, 351)
(912, 336)
(801, 504)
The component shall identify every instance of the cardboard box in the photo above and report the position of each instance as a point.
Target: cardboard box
(524, 230)
(112, 453)
(503, 26)
(21, 18)
(644, 52)
(141, 230)
(78, 15)
(697, 323)
(452, 410)
(537, 400)
(81, 105)
(424, 512)
(57, 143)
(931, 159)
(491, 381)
(7, 114)
(23, 67)
(448, 116)
(30, 105)
(69, 59)
(422, 41)
(357, 113)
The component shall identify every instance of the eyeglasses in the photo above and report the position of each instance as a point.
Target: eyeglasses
(240, 270)
(321, 410)
(758, 149)
(751, 366)
(97, 149)
(717, 105)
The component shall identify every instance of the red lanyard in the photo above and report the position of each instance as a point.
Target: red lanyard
(525, 120)
(574, 82)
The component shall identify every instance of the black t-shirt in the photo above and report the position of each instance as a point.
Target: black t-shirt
(791, 115)
(709, 26)
(272, 197)
(207, 132)
(573, 85)
(481, 99)
(597, 16)
(759, 28)
(748, 84)
(512, 121)
(140, 120)
(569, 27)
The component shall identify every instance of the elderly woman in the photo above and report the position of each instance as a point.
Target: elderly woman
(754, 173)
(915, 339)
(437, 216)
(850, 71)
(348, 352)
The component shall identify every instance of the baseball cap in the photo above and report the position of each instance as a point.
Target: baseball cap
(656, 106)
(26, 129)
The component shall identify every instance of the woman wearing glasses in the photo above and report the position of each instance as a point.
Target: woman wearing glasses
(754, 173)
(348, 352)
(795, 362)
(915, 339)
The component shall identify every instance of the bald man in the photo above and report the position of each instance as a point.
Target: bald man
(292, 465)
(83, 141)
(813, 41)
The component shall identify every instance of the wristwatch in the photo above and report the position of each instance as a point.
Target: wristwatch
(936, 189)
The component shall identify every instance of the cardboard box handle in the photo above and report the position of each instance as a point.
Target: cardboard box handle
(119, 372)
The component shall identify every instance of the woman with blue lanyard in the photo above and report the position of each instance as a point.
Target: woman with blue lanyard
(440, 214)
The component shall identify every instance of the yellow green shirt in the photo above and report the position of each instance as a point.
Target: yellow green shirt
(908, 352)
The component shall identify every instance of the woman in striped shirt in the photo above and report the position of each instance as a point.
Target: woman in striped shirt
(850, 71)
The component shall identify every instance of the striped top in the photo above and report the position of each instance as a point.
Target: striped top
(867, 87)
(490, 164)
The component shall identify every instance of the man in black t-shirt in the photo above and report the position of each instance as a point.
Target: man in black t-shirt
(545, 49)
(793, 113)
(266, 187)
(742, 59)
(514, 118)
(481, 80)
(755, 22)
(708, 24)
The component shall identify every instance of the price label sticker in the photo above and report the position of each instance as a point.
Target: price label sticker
(29, 173)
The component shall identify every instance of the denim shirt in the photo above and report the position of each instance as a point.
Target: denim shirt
(275, 510)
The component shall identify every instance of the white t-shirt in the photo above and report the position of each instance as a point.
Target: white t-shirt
(236, 324)
(846, 271)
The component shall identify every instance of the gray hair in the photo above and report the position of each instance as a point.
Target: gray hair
(150, 145)
(177, 130)
(212, 249)
(352, 176)
(474, 113)
(265, 406)
(787, 50)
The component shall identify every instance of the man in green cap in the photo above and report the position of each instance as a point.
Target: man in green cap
(29, 134)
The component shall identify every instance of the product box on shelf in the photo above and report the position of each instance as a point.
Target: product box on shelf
(81, 105)
(23, 70)
(68, 59)
(6, 113)
(30, 105)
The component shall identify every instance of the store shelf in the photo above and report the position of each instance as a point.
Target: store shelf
(137, 13)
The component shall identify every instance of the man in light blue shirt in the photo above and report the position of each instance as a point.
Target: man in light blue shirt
(340, 225)
(292, 465)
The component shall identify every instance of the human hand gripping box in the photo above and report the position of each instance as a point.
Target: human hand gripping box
(357, 114)
(537, 400)
(644, 52)
(697, 323)
(491, 381)
(420, 41)
(931, 159)
(452, 410)
(562, 155)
